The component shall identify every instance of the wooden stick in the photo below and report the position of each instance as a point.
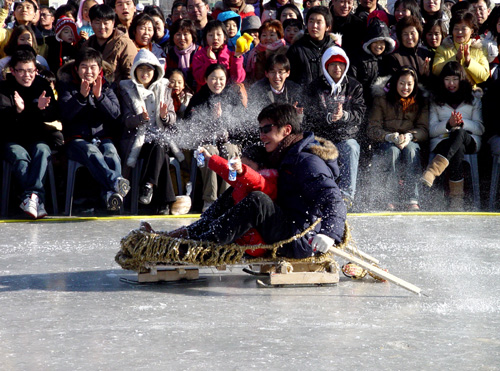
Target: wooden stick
(379, 272)
(362, 254)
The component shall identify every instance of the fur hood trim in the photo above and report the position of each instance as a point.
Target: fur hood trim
(390, 44)
(324, 149)
(474, 43)
(378, 88)
(65, 73)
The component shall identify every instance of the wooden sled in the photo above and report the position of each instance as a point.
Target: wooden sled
(281, 274)
(145, 251)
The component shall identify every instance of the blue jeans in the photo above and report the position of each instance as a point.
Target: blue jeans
(390, 163)
(29, 166)
(102, 161)
(348, 163)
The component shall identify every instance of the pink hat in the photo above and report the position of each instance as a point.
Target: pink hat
(63, 22)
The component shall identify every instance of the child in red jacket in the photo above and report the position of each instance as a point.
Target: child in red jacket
(251, 176)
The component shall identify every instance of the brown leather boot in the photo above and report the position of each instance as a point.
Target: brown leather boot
(457, 195)
(434, 169)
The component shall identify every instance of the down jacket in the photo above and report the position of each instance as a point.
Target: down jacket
(478, 70)
(472, 116)
(386, 118)
(307, 191)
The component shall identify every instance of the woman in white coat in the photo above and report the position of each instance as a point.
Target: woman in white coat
(149, 118)
(455, 128)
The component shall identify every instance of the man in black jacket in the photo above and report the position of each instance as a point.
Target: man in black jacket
(89, 112)
(26, 103)
(336, 112)
(305, 54)
(350, 26)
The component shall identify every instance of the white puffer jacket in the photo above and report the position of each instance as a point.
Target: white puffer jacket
(473, 121)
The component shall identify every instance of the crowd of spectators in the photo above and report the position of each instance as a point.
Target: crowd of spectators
(403, 91)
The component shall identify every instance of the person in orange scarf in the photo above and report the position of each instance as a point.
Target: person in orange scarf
(398, 125)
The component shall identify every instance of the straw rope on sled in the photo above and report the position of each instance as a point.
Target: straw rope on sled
(140, 249)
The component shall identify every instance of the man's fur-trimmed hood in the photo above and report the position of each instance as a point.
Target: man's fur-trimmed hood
(68, 74)
(324, 149)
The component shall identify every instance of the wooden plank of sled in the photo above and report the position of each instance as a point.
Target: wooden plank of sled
(174, 274)
(303, 278)
(307, 267)
(379, 272)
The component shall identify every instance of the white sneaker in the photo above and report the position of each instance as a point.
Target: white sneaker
(29, 205)
(122, 186)
(114, 201)
(40, 210)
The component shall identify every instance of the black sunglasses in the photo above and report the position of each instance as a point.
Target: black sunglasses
(266, 128)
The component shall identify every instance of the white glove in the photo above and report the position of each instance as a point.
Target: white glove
(393, 138)
(321, 243)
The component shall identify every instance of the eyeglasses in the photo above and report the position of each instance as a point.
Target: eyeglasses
(30, 71)
(43, 15)
(266, 128)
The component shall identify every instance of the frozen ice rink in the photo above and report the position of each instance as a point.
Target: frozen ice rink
(63, 306)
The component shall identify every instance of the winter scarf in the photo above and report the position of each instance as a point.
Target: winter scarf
(252, 57)
(184, 57)
(280, 152)
(274, 46)
(407, 103)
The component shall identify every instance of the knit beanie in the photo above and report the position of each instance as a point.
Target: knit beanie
(250, 23)
(63, 22)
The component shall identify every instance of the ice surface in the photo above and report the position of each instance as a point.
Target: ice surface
(64, 308)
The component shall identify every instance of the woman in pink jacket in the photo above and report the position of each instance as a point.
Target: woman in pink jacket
(216, 51)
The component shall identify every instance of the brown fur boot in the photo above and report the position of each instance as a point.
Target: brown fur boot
(457, 195)
(434, 169)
